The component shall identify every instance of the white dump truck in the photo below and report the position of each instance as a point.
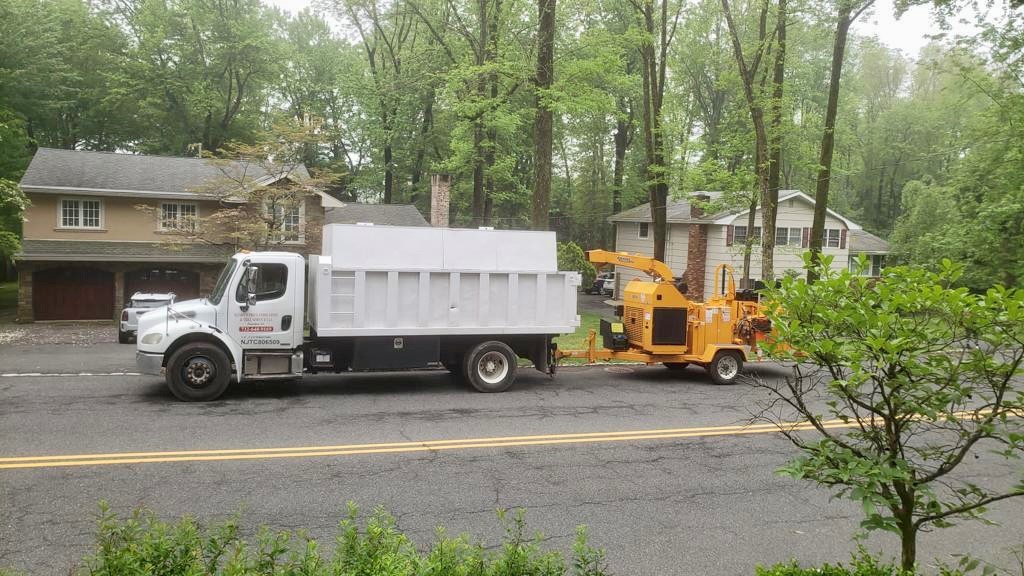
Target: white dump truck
(377, 298)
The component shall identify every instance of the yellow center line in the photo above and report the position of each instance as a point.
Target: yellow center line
(70, 460)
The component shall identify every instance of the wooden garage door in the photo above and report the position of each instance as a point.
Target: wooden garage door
(73, 294)
(184, 283)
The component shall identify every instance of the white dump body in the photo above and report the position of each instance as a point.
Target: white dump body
(390, 280)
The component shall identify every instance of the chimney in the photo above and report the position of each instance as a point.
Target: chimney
(440, 198)
(696, 251)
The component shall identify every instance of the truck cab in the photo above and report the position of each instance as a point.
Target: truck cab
(250, 327)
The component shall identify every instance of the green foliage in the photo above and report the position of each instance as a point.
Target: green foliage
(141, 543)
(862, 564)
(915, 375)
(571, 257)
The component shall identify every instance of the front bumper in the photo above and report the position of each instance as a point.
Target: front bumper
(149, 363)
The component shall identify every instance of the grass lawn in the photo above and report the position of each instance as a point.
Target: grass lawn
(8, 300)
(578, 339)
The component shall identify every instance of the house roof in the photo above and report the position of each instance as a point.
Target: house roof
(678, 211)
(134, 174)
(380, 214)
(864, 242)
(108, 251)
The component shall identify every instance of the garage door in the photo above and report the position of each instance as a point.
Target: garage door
(73, 294)
(183, 283)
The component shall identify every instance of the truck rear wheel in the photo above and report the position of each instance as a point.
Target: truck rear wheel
(726, 367)
(198, 372)
(490, 367)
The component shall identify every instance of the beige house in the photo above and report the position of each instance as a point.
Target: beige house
(697, 243)
(88, 246)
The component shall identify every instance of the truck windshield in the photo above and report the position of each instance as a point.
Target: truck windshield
(222, 282)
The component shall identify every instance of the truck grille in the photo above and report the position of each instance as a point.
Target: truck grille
(633, 318)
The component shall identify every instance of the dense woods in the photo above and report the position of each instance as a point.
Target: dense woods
(554, 115)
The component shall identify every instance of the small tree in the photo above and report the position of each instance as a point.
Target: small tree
(896, 382)
(572, 258)
(260, 189)
(13, 204)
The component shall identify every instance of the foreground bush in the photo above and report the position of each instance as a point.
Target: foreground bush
(142, 544)
(862, 564)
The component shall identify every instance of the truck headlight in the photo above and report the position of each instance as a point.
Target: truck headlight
(152, 338)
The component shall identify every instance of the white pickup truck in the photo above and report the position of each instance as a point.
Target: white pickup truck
(378, 298)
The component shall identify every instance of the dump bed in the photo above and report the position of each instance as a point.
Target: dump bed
(389, 280)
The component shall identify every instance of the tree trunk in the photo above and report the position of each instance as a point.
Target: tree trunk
(828, 138)
(770, 202)
(543, 124)
(479, 192)
(622, 128)
(657, 187)
(421, 149)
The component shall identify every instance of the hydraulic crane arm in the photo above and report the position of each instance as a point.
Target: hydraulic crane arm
(649, 266)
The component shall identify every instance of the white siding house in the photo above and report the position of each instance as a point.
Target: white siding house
(726, 231)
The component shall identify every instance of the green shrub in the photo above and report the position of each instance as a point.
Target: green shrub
(143, 544)
(862, 564)
(572, 258)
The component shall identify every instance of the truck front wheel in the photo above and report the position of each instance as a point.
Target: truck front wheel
(198, 372)
(490, 367)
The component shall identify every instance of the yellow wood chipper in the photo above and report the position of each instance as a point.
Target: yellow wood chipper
(659, 324)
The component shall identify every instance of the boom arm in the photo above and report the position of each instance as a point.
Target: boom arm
(649, 266)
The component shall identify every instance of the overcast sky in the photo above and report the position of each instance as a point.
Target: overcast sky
(908, 34)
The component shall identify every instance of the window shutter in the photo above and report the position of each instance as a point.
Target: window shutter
(842, 239)
(805, 240)
(728, 235)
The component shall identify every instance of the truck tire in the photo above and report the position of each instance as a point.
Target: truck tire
(124, 337)
(198, 372)
(490, 367)
(726, 367)
(676, 365)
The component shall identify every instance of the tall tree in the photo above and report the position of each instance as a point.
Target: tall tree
(847, 11)
(542, 128)
(658, 33)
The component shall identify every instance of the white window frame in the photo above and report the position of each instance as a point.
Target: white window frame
(179, 219)
(643, 233)
(302, 224)
(789, 236)
(736, 239)
(827, 241)
(80, 213)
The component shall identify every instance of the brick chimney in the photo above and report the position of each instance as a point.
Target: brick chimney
(440, 198)
(696, 252)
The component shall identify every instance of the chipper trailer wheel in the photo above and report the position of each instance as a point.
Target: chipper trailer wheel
(490, 367)
(725, 367)
(198, 372)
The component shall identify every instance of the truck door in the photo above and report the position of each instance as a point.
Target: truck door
(265, 318)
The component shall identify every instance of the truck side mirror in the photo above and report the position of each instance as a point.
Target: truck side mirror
(251, 280)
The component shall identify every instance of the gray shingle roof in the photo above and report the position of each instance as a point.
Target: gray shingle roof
(53, 168)
(380, 214)
(76, 250)
(862, 241)
(678, 211)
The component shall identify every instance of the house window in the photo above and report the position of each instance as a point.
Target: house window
(832, 236)
(787, 236)
(739, 234)
(81, 213)
(288, 223)
(643, 230)
(178, 216)
(877, 262)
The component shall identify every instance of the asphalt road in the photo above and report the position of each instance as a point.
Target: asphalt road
(687, 504)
